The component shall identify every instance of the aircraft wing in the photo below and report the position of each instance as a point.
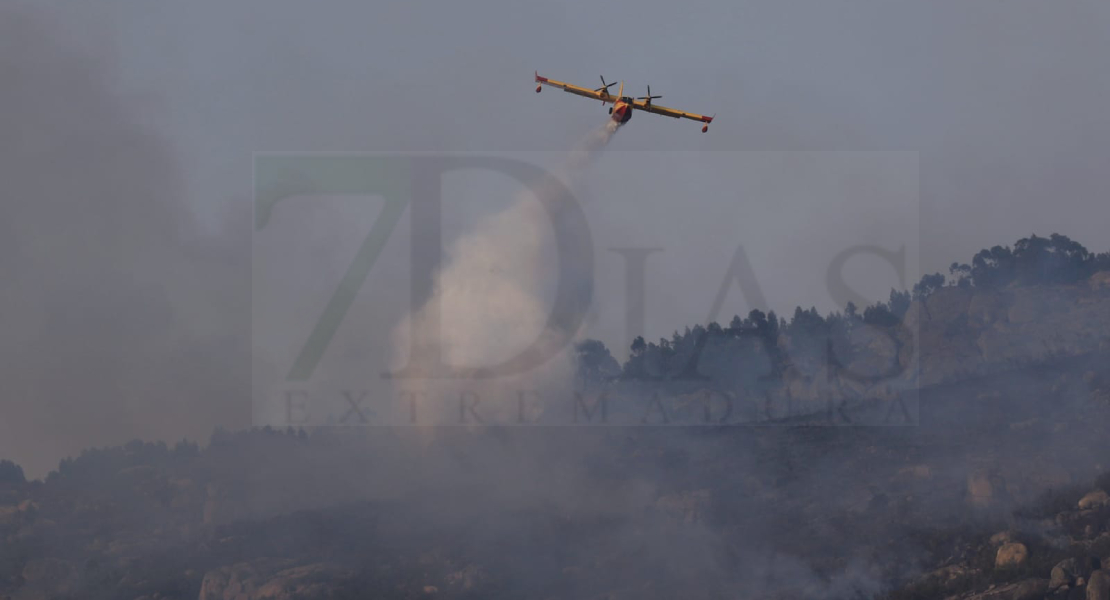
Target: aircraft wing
(602, 94)
(669, 112)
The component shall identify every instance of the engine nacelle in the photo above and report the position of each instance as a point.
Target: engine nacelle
(704, 128)
(538, 88)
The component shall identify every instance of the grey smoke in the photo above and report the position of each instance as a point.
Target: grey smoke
(121, 318)
(124, 319)
(1011, 134)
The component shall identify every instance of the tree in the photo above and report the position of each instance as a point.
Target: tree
(11, 472)
(594, 362)
(928, 285)
(635, 367)
(993, 267)
(186, 448)
(879, 315)
(1057, 259)
(1031, 260)
(773, 326)
(899, 303)
(735, 325)
(1100, 262)
(962, 273)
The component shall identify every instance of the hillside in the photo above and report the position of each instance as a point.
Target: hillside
(994, 487)
(1046, 300)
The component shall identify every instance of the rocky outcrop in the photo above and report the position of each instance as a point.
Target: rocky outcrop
(1011, 554)
(1100, 281)
(1098, 586)
(269, 579)
(1095, 499)
(1030, 589)
(966, 331)
(468, 578)
(1076, 539)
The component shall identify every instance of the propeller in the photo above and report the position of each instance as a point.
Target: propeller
(604, 86)
(649, 97)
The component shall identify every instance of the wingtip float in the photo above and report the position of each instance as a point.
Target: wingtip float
(623, 106)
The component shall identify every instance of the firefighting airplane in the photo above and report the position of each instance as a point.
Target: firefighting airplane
(621, 110)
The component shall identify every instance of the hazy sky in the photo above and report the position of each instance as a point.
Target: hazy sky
(998, 110)
(1002, 86)
(1005, 101)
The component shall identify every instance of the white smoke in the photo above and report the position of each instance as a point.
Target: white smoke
(489, 292)
(591, 144)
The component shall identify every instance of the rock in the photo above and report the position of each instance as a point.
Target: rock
(468, 578)
(948, 304)
(950, 573)
(1029, 589)
(1001, 537)
(1099, 281)
(305, 581)
(985, 308)
(1011, 554)
(1026, 308)
(876, 352)
(20, 513)
(982, 487)
(1098, 586)
(1095, 499)
(964, 333)
(961, 332)
(1066, 572)
(271, 579)
(236, 582)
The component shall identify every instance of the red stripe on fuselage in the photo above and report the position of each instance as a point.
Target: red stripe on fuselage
(622, 112)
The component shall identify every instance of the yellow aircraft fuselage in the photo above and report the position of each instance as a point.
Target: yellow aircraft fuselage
(621, 111)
